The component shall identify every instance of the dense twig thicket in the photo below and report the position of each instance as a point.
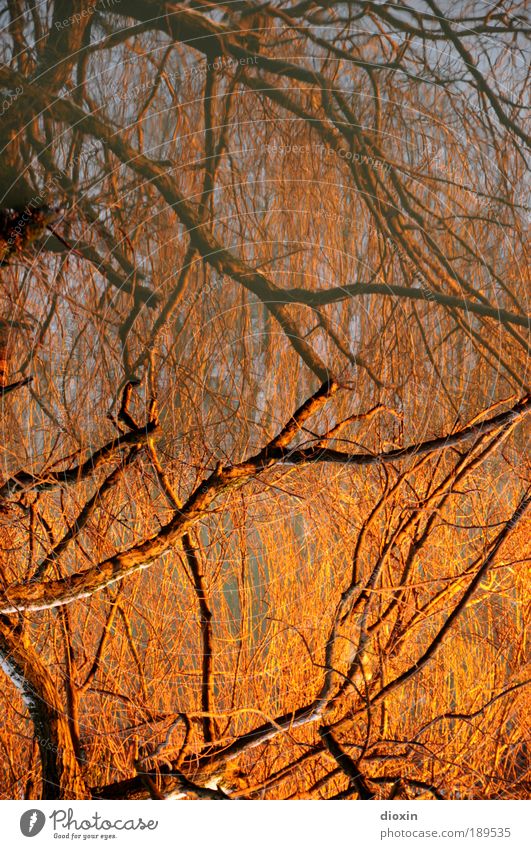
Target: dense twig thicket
(264, 348)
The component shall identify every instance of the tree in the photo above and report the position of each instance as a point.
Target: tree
(265, 342)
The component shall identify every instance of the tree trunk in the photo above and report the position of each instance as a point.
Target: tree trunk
(61, 773)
